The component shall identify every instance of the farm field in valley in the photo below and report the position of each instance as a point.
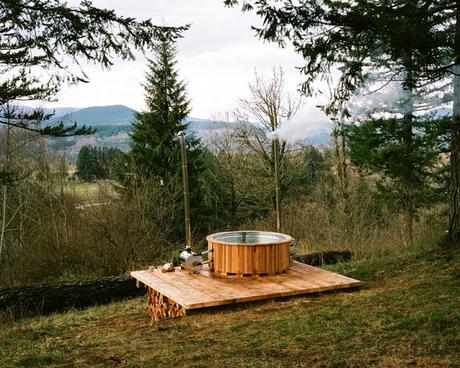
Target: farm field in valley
(87, 191)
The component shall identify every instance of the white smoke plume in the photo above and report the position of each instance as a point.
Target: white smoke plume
(391, 98)
(298, 130)
(291, 131)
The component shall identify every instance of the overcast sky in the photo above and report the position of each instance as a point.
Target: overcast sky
(217, 58)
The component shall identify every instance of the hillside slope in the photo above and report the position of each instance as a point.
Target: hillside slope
(407, 315)
(97, 115)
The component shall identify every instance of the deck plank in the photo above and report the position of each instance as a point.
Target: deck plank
(194, 291)
(303, 271)
(173, 290)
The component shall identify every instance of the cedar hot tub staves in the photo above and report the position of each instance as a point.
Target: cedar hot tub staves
(248, 253)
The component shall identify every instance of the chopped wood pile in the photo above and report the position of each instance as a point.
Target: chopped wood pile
(161, 307)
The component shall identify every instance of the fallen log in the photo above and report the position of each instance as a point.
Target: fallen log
(24, 301)
(322, 258)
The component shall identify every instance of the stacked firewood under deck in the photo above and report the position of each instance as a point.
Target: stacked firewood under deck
(161, 306)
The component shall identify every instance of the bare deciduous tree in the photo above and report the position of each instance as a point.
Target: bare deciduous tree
(240, 179)
(260, 115)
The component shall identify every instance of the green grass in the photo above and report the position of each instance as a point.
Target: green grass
(407, 315)
(87, 191)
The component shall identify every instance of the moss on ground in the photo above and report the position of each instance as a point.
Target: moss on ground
(406, 315)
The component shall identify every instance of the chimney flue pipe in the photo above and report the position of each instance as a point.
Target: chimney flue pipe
(188, 231)
(276, 154)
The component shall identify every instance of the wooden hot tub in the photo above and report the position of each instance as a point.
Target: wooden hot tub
(245, 253)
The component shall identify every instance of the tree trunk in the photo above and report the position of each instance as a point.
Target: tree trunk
(343, 165)
(5, 187)
(454, 215)
(408, 178)
(454, 188)
(342, 171)
(2, 235)
(407, 137)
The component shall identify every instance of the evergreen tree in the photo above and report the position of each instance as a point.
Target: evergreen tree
(115, 163)
(84, 164)
(101, 163)
(155, 149)
(354, 38)
(377, 146)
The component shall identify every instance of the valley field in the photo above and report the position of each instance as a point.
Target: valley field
(89, 191)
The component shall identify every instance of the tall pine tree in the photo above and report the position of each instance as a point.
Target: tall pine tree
(155, 149)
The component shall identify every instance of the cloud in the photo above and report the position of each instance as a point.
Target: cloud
(217, 57)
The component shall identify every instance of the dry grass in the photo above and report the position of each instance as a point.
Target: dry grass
(87, 191)
(407, 315)
(366, 227)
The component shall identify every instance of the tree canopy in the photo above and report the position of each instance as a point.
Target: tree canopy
(356, 37)
(101, 163)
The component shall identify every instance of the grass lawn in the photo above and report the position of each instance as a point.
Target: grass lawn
(407, 315)
(87, 191)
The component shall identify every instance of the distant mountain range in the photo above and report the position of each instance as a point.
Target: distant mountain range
(95, 115)
(113, 125)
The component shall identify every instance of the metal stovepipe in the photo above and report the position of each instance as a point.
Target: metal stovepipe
(276, 154)
(188, 230)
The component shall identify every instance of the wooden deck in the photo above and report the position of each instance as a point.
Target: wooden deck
(192, 291)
